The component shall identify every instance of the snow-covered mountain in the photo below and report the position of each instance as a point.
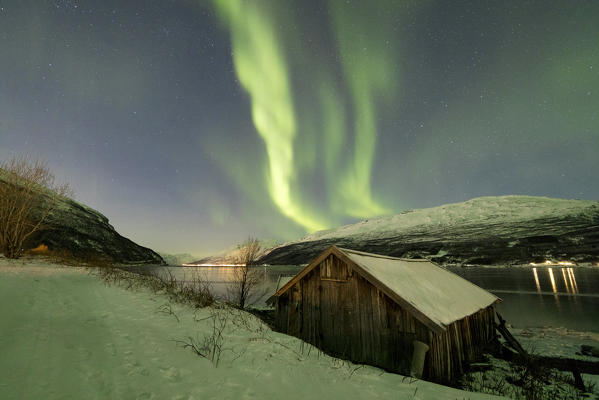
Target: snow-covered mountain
(485, 230)
(177, 259)
(231, 255)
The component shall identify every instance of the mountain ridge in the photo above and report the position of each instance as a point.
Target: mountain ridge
(485, 230)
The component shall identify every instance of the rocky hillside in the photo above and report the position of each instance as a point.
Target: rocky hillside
(486, 230)
(85, 233)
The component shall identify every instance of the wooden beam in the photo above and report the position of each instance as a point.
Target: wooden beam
(511, 341)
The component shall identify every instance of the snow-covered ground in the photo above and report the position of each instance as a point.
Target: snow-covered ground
(65, 335)
(556, 342)
(560, 342)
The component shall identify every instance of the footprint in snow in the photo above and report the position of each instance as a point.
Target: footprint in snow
(172, 374)
(110, 349)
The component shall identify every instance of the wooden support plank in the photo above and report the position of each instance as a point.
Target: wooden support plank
(513, 343)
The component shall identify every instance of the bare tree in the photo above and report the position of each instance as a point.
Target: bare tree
(27, 196)
(246, 275)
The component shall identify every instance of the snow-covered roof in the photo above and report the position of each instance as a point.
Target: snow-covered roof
(434, 295)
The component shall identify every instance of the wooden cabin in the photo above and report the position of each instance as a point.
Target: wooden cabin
(386, 311)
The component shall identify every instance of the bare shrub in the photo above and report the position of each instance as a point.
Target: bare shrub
(246, 276)
(211, 345)
(63, 256)
(525, 379)
(196, 292)
(112, 275)
(167, 309)
(27, 196)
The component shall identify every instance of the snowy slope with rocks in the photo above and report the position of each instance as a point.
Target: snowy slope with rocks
(85, 233)
(485, 230)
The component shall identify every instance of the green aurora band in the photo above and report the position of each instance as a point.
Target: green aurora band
(263, 69)
(368, 69)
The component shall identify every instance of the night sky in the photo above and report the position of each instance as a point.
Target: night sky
(193, 124)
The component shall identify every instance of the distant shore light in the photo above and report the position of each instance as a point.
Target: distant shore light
(213, 265)
(553, 263)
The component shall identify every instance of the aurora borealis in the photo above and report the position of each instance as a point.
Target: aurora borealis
(193, 124)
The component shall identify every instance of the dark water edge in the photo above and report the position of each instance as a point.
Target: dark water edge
(542, 296)
(531, 297)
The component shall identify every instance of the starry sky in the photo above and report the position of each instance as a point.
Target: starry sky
(193, 124)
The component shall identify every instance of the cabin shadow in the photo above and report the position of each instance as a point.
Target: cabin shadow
(403, 315)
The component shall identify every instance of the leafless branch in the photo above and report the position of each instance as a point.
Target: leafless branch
(27, 197)
(246, 276)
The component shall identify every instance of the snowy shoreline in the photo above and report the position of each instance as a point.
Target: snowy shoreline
(65, 334)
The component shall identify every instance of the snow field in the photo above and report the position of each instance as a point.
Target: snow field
(65, 335)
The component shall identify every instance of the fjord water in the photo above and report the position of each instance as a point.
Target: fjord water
(542, 296)
(221, 277)
(531, 297)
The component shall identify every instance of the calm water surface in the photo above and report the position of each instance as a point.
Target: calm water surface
(542, 296)
(532, 297)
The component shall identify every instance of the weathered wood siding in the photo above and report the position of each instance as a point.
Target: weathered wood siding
(462, 342)
(340, 312)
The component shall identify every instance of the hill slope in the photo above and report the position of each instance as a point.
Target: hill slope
(485, 230)
(86, 233)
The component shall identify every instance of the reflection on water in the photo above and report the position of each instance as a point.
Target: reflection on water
(552, 279)
(542, 296)
(568, 276)
(534, 271)
(573, 279)
(565, 281)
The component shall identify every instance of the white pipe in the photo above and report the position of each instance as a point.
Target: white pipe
(418, 357)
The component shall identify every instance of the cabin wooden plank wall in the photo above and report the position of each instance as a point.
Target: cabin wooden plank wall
(339, 311)
(463, 341)
(343, 314)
